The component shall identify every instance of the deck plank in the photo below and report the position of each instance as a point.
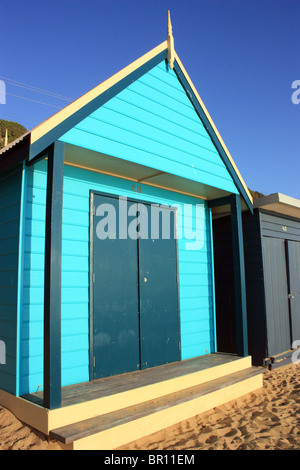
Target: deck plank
(79, 393)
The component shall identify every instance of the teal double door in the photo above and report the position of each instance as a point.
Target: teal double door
(135, 314)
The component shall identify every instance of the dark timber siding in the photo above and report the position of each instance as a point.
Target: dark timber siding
(276, 226)
(276, 291)
(225, 310)
(257, 330)
(281, 234)
(270, 269)
(224, 285)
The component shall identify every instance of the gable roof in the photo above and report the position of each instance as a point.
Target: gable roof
(73, 113)
(45, 133)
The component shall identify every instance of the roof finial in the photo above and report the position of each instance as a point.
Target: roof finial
(170, 39)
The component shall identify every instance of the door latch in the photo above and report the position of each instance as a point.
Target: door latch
(290, 296)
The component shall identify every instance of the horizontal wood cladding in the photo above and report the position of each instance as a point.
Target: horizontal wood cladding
(195, 273)
(10, 207)
(279, 226)
(152, 122)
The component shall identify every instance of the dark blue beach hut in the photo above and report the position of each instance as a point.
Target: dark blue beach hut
(272, 267)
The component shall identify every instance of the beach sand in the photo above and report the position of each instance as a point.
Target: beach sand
(266, 419)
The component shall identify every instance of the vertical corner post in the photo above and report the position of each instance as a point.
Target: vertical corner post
(52, 288)
(239, 276)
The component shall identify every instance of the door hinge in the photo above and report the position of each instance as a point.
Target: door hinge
(93, 278)
(94, 361)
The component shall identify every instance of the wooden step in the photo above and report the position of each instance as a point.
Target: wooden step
(111, 430)
(99, 397)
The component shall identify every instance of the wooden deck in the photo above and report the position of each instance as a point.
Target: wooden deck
(110, 412)
(99, 424)
(86, 391)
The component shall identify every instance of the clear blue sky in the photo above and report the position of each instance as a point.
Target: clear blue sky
(242, 56)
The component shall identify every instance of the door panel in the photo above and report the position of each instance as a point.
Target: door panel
(135, 291)
(159, 291)
(293, 251)
(276, 292)
(116, 300)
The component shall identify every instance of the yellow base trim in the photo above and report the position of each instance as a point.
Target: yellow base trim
(34, 415)
(129, 432)
(72, 414)
(45, 420)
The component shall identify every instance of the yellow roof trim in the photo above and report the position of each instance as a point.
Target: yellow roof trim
(45, 126)
(213, 126)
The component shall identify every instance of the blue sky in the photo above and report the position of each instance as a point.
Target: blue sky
(242, 56)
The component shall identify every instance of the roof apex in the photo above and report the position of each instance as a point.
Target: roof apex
(52, 128)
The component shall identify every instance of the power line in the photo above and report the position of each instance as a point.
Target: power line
(34, 101)
(52, 95)
(35, 89)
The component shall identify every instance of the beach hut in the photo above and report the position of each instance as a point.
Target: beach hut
(107, 309)
(272, 265)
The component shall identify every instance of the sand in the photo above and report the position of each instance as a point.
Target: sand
(15, 435)
(266, 419)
